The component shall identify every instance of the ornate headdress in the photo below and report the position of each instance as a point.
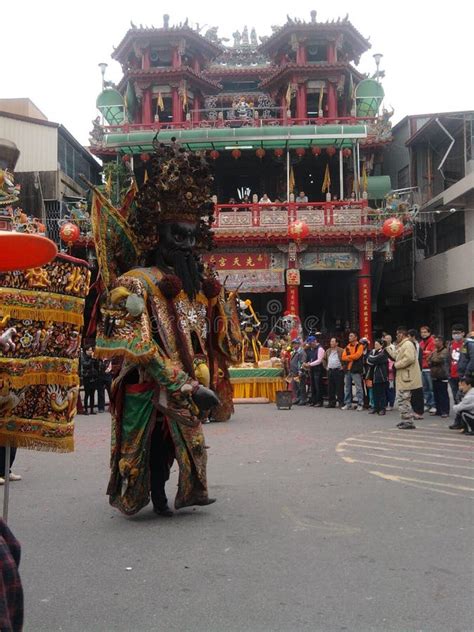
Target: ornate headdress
(178, 189)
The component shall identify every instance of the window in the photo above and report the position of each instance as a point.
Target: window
(450, 232)
(403, 178)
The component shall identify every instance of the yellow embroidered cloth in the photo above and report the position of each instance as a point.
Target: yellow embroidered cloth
(41, 319)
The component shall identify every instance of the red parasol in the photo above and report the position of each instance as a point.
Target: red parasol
(19, 251)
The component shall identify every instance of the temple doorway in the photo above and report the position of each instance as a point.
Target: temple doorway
(328, 302)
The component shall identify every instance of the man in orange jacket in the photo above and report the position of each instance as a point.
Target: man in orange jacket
(352, 357)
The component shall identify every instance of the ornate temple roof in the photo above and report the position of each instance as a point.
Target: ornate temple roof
(335, 27)
(170, 74)
(208, 45)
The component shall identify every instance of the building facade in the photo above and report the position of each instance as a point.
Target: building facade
(431, 279)
(296, 137)
(50, 162)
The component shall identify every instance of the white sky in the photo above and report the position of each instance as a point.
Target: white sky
(50, 50)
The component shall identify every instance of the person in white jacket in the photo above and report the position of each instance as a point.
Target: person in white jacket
(465, 408)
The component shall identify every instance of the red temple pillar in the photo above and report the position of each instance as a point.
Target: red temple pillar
(147, 113)
(301, 101)
(176, 58)
(175, 106)
(146, 59)
(331, 56)
(365, 300)
(332, 100)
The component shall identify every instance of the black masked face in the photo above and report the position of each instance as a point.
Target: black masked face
(176, 250)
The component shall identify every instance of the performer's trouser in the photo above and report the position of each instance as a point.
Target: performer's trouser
(428, 388)
(160, 448)
(357, 378)
(89, 395)
(380, 396)
(336, 387)
(105, 384)
(316, 385)
(441, 396)
(2, 460)
(467, 420)
(417, 401)
(404, 404)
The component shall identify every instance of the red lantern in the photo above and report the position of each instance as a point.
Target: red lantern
(347, 153)
(145, 157)
(278, 152)
(260, 153)
(300, 152)
(298, 230)
(214, 154)
(392, 227)
(125, 158)
(330, 151)
(316, 151)
(69, 233)
(236, 153)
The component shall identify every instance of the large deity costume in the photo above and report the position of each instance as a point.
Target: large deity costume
(175, 328)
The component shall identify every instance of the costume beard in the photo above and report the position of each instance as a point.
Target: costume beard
(185, 267)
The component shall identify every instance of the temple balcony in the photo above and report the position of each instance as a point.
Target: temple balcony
(329, 221)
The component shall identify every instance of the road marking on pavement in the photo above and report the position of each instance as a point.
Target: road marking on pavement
(324, 527)
(394, 477)
(349, 459)
(451, 458)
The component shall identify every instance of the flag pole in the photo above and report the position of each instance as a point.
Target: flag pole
(341, 175)
(6, 490)
(287, 174)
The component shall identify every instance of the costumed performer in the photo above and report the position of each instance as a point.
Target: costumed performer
(175, 329)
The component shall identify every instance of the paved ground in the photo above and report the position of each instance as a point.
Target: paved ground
(325, 521)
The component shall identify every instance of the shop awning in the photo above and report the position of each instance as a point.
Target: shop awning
(378, 187)
(243, 138)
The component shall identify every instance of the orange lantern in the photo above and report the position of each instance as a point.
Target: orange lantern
(298, 229)
(214, 154)
(300, 152)
(278, 152)
(316, 151)
(260, 153)
(145, 157)
(69, 233)
(347, 153)
(19, 251)
(392, 227)
(125, 158)
(236, 153)
(330, 151)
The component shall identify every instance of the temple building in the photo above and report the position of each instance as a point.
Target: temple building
(296, 134)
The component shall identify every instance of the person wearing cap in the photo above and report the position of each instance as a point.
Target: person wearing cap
(333, 364)
(352, 356)
(314, 362)
(297, 359)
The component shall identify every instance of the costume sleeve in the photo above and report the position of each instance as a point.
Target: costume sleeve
(126, 330)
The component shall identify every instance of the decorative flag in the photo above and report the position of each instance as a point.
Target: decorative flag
(365, 179)
(321, 95)
(327, 180)
(108, 183)
(160, 106)
(292, 180)
(185, 97)
(288, 96)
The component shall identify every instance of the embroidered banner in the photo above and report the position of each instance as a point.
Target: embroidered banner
(41, 318)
